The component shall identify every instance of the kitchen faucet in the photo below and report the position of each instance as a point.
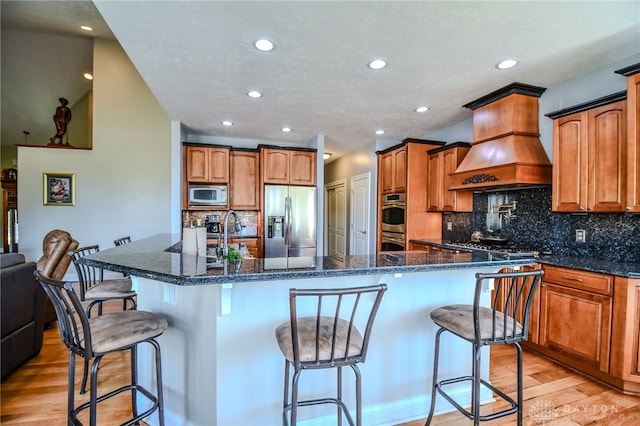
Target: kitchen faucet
(225, 246)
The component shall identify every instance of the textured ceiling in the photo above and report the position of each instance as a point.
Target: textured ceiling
(198, 60)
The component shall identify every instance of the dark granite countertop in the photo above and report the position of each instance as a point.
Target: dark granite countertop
(149, 258)
(622, 269)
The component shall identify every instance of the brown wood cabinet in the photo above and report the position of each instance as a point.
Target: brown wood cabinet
(244, 182)
(590, 158)
(288, 167)
(207, 164)
(403, 168)
(590, 322)
(393, 170)
(575, 316)
(633, 137)
(625, 348)
(9, 210)
(442, 162)
(253, 245)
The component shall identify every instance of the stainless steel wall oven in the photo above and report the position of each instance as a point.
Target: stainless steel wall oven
(393, 222)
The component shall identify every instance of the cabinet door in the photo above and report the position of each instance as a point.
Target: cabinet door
(633, 143)
(454, 201)
(607, 157)
(218, 165)
(244, 185)
(577, 324)
(400, 170)
(275, 166)
(197, 167)
(436, 183)
(569, 190)
(386, 172)
(303, 168)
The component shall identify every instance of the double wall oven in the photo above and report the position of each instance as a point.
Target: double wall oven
(393, 222)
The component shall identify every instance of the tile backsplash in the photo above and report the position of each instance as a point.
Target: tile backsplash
(609, 236)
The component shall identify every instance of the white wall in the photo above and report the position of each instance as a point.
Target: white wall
(123, 185)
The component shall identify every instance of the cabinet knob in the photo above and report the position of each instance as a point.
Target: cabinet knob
(628, 208)
(581, 208)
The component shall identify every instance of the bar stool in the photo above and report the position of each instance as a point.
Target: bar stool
(505, 322)
(92, 338)
(122, 241)
(329, 338)
(95, 290)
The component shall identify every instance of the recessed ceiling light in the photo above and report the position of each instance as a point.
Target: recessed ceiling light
(264, 45)
(326, 155)
(507, 63)
(380, 132)
(377, 64)
(422, 109)
(286, 129)
(227, 123)
(86, 28)
(88, 76)
(254, 94)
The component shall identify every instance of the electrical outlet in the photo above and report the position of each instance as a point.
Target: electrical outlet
(449, 226)
(581, 236)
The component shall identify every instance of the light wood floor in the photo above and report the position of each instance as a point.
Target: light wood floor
(36, 393)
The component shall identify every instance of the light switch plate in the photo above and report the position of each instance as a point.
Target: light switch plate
(581, 236)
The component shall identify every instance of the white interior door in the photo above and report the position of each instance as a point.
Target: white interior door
(336, 201)
(360, 214)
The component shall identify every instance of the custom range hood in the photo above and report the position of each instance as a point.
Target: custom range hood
(506, 152)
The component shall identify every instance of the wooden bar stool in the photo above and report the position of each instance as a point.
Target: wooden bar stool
(506, 322)
(92, 338)
(329, 338)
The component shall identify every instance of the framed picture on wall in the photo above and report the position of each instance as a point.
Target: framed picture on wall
(59, 189)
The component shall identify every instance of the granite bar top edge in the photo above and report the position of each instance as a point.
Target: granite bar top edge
(149, 258)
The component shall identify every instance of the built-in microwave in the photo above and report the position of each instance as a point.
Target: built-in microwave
(207, 195)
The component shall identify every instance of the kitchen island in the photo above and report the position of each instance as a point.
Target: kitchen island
(221, 362)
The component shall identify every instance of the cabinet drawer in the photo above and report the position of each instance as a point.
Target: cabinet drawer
(581, 280)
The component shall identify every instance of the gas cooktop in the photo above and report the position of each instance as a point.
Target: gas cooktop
(511, 249)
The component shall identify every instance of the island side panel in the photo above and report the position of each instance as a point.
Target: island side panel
(228, 370)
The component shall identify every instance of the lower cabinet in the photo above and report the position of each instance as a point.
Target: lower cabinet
(576, 324)
(253, 245)
(590, 322)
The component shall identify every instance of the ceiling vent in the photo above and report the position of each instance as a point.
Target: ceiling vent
(506, 152)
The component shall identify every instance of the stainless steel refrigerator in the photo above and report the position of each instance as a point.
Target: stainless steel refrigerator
(289, 221)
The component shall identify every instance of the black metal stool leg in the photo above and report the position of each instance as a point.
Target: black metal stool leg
(160, 395)
(358, 395)
(85, 374)
(435, 377)
(294, 398)
(339, 408)
(475, 391)
(71, 385)
(285, 401)
(134, 380)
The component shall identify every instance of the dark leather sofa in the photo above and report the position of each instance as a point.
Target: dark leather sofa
(22, 302)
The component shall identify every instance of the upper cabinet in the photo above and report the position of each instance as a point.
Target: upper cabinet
(442, 162)
(633, 137)
(244, 182)
(393, 170)
(288, 167)
(207, 164)
(590, 156)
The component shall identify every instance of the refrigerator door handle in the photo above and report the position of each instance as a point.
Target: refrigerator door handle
(287, 221)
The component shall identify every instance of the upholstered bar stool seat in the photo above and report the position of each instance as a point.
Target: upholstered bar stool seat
(110, 332)
(307, 339)
(115, 288)
(459, 319)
